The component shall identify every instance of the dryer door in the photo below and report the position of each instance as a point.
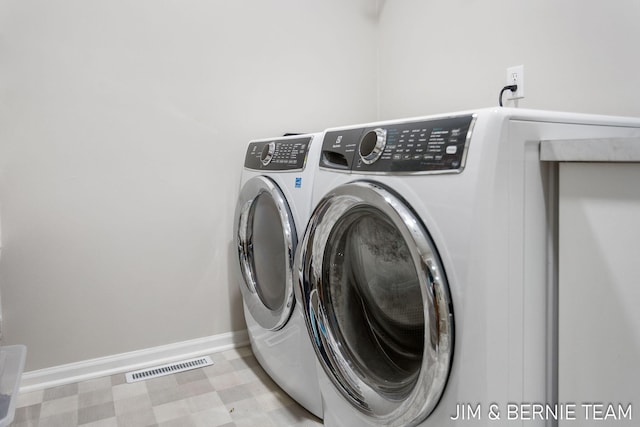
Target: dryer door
(266, 242)
(376, 303)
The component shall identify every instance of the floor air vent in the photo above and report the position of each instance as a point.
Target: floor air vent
(172, 368)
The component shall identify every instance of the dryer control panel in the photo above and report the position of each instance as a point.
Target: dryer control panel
(278, 154)
(424, 146)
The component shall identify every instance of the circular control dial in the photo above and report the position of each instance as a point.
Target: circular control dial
(267, 153)
(372, 145)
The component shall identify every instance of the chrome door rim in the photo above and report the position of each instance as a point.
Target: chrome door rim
(254, 188)
(438, 314)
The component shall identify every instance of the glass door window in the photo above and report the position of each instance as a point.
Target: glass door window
(266, 242)
(376, 301)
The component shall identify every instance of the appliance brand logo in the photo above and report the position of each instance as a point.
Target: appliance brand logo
(298, 182)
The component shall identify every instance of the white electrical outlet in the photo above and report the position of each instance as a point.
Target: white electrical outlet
(515, 76)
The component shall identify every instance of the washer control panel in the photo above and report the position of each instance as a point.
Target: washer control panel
(424, 146)
(278, 154)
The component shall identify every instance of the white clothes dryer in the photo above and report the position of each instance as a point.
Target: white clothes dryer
(273, 207)
(426, 272)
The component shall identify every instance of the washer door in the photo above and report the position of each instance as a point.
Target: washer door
(266, 241)
(376, 303)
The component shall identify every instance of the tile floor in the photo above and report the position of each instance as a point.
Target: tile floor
(234, 391)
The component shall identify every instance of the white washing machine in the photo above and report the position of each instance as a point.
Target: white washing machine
(273, 208)
(427, 270)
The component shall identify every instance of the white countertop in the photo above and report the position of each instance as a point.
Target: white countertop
(591, 150)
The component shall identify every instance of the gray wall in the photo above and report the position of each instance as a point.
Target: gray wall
(448, 55)
(123, 126)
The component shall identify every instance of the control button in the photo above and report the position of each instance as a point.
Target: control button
(417, 156)
(397, 156)
(406, 157)
(452, 149)
(268, 151)
(372, 145)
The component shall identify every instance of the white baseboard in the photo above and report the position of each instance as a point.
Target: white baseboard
(119, 363)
